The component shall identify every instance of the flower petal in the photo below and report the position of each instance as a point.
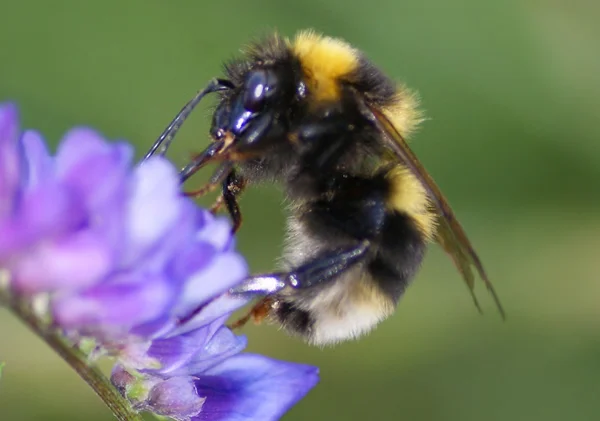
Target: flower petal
(216, 231)
(74, 262)
(175, 251)
(40, 164)
(196, 351)
(192, 255)
(224, 344)
(47, 213)
(125, 302)
(97, 170)
(218, 308)
(154, 207)
(11, 159)
(78, 145)
(225, 271)
(251, 387)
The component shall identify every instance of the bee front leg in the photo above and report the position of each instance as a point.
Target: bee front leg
(233, 185)
(323, 268)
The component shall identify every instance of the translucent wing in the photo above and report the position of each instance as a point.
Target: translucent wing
(450, 235)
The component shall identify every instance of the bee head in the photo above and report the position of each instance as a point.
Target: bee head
(254, 114)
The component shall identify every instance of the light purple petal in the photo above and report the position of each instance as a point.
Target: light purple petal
(251, 387)
(46, 213)
(225, 271)
(40, 164)
(191, 259)
(217, 232)
(95, 169)
(130, 300)
(52, 210)
(218, 308)
(11, 161)
(175, 252)
(78, 145)
(223, 345)
(154, 206)
(101, 182)
(196, 351)
(156, 328)
(100, 178)
(174, 352)
(175, 398)
(107, 221)
(77, 261)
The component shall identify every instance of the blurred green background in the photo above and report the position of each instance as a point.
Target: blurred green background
(512, 90)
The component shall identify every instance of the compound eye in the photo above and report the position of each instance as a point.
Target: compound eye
(256, 91)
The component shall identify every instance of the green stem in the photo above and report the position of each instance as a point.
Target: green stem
(75, 358)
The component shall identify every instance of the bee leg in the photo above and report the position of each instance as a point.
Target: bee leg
(164, 140)
(233, 185)
(216, 206)
(217, 178)
(258, 313)
(322, 268)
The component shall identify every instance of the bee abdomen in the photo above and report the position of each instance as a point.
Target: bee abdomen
(293, 319)
(352, 302)
(401, 251)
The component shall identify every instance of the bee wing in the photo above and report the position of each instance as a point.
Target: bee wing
(450, 235)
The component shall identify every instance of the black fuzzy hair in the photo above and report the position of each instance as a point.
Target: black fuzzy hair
(271, 49)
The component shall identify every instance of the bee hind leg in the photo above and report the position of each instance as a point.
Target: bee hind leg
(258, 313)
(323, 268)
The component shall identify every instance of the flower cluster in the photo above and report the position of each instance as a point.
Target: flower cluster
(123, 257)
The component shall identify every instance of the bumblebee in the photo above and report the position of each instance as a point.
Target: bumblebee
(315, 115)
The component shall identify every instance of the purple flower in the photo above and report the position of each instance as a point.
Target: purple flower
(124, 258)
